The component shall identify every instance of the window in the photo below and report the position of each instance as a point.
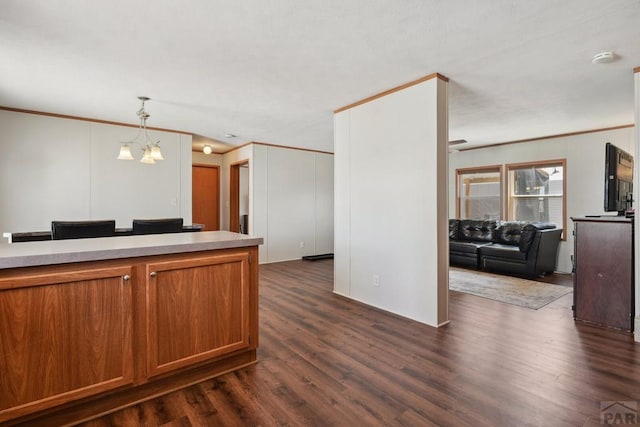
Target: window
(536, 192)
(478, 193)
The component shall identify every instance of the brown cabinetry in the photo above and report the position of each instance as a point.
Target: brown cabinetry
(64, 335)
(91, 336)
(193, 318)
(603, 271)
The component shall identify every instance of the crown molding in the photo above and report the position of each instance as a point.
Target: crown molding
(390, 91)
(541, 138)
(277, 146)
(87, 119)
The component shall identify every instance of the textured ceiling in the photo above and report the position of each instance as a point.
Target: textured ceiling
(274, 71)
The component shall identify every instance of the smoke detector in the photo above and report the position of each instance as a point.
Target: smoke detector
(603, 58)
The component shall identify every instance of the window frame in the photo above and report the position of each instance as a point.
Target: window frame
(481, 169)
(538, 164)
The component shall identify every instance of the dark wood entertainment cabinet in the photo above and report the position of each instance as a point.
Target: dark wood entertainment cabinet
(603, 280)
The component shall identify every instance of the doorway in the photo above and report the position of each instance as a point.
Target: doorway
(206, 196)
(239, 197)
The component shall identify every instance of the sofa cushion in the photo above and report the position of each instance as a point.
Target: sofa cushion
(453, 229)
(466, 247)
(476, 230)
(508, 232)
(498, 250)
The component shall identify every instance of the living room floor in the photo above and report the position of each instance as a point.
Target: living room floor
(564, 279)
(325, 360)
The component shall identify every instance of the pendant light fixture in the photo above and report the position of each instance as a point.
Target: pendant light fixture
(150, 149)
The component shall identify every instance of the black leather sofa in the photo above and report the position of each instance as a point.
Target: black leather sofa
(512, 247)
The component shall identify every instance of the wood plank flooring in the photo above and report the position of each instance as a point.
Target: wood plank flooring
(327, 361)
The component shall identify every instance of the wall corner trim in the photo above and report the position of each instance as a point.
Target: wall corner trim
(392, 90)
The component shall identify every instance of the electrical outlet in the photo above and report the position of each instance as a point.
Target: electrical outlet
(376, 280)
(301, 245)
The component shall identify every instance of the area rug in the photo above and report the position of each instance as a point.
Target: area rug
(512, 290)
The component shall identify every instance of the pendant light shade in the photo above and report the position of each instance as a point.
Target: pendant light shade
(156, 154)
(147, 158)
(150, 149)
(125, 153)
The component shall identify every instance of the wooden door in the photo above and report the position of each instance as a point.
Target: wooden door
(206, 196)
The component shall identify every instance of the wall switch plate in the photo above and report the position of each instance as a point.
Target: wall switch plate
(376, 280)
(301, 245)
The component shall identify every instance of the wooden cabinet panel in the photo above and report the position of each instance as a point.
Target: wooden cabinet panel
(72, 333)
(603, 278)
(63, 335)
(198, 309)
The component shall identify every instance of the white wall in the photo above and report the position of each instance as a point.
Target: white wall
(244, 190)
(584, 173)
(299, 191)
(64, 169)
(241, 154)
(290, 200)
(199, 158)
(323, 232)
(391, 249)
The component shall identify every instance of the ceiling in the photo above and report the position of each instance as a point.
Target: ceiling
(274, 71)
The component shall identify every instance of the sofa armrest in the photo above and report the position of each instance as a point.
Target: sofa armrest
(543, 252)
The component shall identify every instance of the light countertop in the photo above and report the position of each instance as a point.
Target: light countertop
(28, 254)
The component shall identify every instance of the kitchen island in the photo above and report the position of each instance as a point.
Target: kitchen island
(88, 326)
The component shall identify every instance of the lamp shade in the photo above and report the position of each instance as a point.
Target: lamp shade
(147, 159)
(156, 154)
(125, 153)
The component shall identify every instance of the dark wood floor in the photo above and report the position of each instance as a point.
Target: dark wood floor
(328, 361)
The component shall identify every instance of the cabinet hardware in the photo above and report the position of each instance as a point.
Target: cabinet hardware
(126, 277)
(153, 274)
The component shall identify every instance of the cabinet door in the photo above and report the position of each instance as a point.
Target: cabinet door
(604, 273)
(63, 336)
(197, 310)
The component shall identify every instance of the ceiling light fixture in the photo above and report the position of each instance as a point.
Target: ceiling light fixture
(207, 149)
(603, 57)
(229, 135)
(151, 149)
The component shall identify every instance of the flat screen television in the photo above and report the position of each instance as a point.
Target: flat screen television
(618, 180)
